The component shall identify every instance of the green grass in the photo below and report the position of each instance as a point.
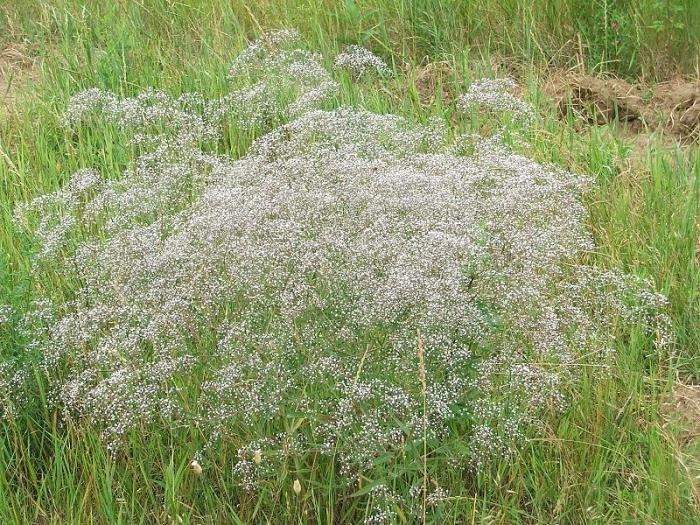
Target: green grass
(608, 459)
(647, 38)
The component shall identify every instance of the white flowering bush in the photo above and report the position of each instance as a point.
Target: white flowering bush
(353, 273)
(359, 62)
(495, 95)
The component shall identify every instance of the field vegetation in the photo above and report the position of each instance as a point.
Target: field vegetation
(308, 261)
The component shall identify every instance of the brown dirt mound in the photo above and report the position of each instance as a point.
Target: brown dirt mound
(15, 66)
(673, 106)
(683, 407)
(682, 410)
(680, 102)
(432, 81)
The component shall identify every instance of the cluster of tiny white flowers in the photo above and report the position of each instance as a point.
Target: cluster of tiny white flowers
(297, 280)
(437, 496)
(495, 95)
(274, 79)
(5, 314)
(12, 386)
(279, 66)
(149, 113)
(360, 61)
(384, 502)
(250, 466)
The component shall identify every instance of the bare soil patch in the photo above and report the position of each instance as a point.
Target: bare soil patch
(672, 106)
(682, 410)
(16, 67)
(432, 83)
(683, 406)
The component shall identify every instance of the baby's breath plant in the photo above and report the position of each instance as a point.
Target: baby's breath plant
(296, 279)
(360, 61)
(5, 314)
(495, 95)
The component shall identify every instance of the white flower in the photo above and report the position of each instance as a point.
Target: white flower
(494, 94)
(360, 61)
